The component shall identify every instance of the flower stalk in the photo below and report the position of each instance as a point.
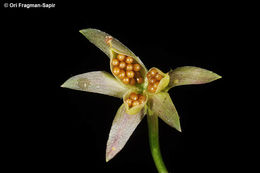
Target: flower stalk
(153, 132)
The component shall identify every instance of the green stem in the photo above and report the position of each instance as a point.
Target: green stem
(154, 143)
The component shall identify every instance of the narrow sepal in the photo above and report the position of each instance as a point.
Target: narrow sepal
(189, 75)
(122, 128)
(161, 105)
(96, 82)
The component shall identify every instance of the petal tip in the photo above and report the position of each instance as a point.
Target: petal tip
(84, 31)
(109, 156)
(179, 129)
(107, 159)
(70, 83)
(81, 31)
(64, 85)
(177, 126)
(218, 77)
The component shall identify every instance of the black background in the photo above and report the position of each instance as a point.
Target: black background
(52, 128)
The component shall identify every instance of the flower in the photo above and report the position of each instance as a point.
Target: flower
(144, 92)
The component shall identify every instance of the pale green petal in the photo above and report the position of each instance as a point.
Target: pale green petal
(108, 44)
(105, 41)
(122, 128)
(96, 82)
(98, 38)
(189, 75)
(161, 105)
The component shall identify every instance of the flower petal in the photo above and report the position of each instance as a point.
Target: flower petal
(108, 44)
(96, 82)
(122, 128)
(188, 75)
(105, 41)
(98, 38)
(161, 105)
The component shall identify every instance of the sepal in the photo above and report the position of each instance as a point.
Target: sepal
(97, 82)
(189, 75)
(122, 128)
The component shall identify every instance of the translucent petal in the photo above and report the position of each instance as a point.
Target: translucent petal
(122, 128)
(188, 75)
(161, 105)
(98, 38)
(108, 44)
(96, 82)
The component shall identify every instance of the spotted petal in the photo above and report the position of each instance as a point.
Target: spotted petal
(161, 105)
(188, 75)
(96, 82)
(122, 128)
